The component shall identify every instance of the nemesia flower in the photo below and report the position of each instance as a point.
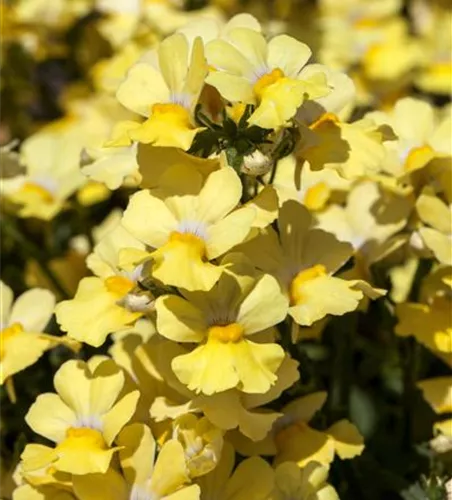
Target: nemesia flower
(437, 234)
(165, 88)
(270, 76)
(417, 141)
(304, 259)
(22, 341)
(297, 181)
(368, 221)
(355, 149)
(221, 321)
(308, 483)
(292, 439)
(189, 230)
(84, 417)
(438, 394)
(227, 410)
(111, 300)
(253, 478)
(145, 474)
(430, 323)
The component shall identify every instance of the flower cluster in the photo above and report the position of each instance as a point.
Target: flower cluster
(258, 213)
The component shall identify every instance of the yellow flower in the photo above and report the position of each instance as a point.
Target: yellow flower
(84, 418)
(144, 476)
(297, 181)
(51, 159)
(304, 259)
(271, 76)
(429, 323)
(253, 478)
(221, 321)
(227, 410)
(202, 443)
(292, 439)
(438, 394)
(111, 300)
(436, 214)
(417, 140)
(189, 230)
(369, 221)
(22, 342)
(353, 149)
(165, 88)
(308, 483)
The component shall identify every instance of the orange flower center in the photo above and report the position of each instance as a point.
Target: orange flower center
(228, 333)
(119, 285)
(195, 244)
(37, 191)
(296, 287)
(316, 196)
(174, 114)
(83, 438)
(266, 80)
(6, 334)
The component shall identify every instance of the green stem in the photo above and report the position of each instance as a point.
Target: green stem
(33, 252)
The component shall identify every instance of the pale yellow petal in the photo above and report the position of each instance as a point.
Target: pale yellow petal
(232, 87)
(137, 455)
(108, 486)
(220, 195)
(50, 417)
(143, 87)
(263, 307)
(253, 478)
(230, 231)
(179, 320)
(119, 415)
(324, 295)
(170, 471)
(287, 54)
(33, 309)
(348, 442)
(155, 228)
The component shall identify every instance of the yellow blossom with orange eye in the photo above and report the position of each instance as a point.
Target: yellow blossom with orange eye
(165, 87)
(22, 341)
(308, 483)
(437, 232)
(270, 76)
(417, 141)
(304, 260)
(252, 478)
(370, 221)
(292, 439)
(190, 226)
(354, 149)
(227, 410)
(220, 322)
(84, 417)
(295, 180)
(145, 473)
(430, 323)
(438, 394)
(111, 300)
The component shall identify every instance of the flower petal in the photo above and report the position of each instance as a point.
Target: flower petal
(33, 309)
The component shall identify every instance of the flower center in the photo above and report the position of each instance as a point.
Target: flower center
(195, 244)
(296, 287)
(316, 196)
(35, 190)
(267, 80)
(83, 438)
(174, 114)
(228, 333)
(119, 285)
(6, 334)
